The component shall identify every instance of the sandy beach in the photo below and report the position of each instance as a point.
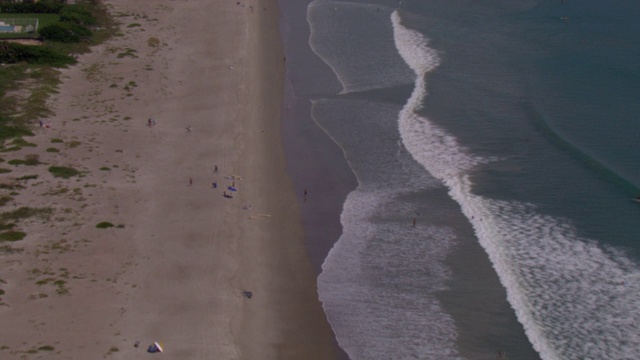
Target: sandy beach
(206, 275)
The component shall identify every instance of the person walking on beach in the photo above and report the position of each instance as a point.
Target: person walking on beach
(190, 181)
(305, 195)
(414, 222)
(215, 169)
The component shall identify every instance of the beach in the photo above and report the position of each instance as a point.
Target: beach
(174, 126)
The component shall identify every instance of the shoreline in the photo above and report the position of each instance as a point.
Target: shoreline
(315, 163)
(175, 268)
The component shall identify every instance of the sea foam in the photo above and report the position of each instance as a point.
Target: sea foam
(575, 299)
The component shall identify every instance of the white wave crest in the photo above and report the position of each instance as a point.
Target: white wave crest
(574, 299)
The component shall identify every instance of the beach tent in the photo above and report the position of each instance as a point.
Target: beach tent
(154, 348)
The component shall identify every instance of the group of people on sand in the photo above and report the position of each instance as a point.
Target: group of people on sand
(214, 184)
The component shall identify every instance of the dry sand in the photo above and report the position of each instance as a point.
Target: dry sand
(174, 268)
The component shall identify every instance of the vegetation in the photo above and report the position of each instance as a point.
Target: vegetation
(12, 236)
(30, 160)
(24, 212)
(27, 177)
(65, 32)
(68, 29)
(41, 7)
(4, 199)
(104, 225)
(63, 171)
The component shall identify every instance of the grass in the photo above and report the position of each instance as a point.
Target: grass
(4, 199)
(12, 236)
(104, 225)
(29, 160)
(25, 212)
(52, 150)
(64, 172)
(19, 112)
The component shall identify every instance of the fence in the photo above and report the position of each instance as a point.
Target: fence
(18, 26)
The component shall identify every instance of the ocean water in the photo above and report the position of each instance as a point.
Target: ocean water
(496, 148)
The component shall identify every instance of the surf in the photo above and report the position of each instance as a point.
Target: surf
(558, 283)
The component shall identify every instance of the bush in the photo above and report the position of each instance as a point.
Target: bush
(12, 236)
(63, 171)
(65, 32)
(40, 7)
(104, 225)
(78, 14)
(9, 131)
(11, 53)
(30, 160)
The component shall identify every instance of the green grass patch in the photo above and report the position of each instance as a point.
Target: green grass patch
(25, 212)
(46, 348)
(22, 143)
(7, 226)
(29, 160)
(33, 68)
(64, 172)
(56, 141)
(104, 225)
(12, 236)
(11, 186)
(4, 199)
(52, 150)
(104, 168)
(4, 171)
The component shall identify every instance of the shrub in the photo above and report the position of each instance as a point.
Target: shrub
(9, 131)
(65, 32)
(104, 225)
(78, 14)
(30, 160)
(12, 236)
(63, 171)
(11, 53)
(40, 7)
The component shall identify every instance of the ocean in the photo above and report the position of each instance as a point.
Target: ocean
(494, 155)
